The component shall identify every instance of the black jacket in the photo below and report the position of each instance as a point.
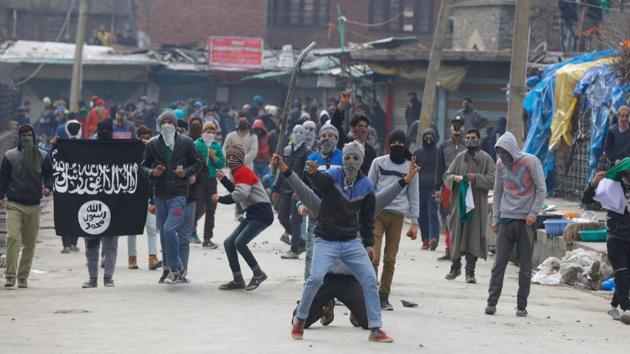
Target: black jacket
(19, 184)
(168, 185)
(618, 224)
(344, 214)
(296, 160)
(426, 157)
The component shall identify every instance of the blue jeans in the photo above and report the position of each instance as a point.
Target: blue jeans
(170, 219)
(428, 216)
(185, 233)
(237, 241)
(355, 257)
(152, 233)
(261, 168)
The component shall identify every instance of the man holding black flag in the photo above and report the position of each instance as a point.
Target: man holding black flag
(169, 160)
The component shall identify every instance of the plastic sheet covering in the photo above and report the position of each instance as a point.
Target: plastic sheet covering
(600, 91)
(540, 106)
(566, 81)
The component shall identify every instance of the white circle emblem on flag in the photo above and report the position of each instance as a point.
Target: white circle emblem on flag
(94, 217)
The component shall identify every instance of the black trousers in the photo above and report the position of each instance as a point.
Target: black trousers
(206, 206)
(345, 288)
(514, 233)
(291, 220)
(68, 241)
(619, 256)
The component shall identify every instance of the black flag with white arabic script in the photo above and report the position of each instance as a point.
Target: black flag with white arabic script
(99, 189)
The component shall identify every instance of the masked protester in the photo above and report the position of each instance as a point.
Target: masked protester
(169, 161)
(295, 155)
(263, 156)
(446, 153)
(70, 130)
(97, 113)
(387, 170)
(519, 193)
(328, 156)
(310, 140)
(339, 220)
(339, 283)
(144, 135)
(472, 117)
(109, 244)
(249, 141)
(618, 242)
(194, 128)
(426, 157)
(25, 176)
(472, 170)
(212, 154)
(245, 189)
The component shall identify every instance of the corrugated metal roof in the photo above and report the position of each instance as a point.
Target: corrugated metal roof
(35, 52)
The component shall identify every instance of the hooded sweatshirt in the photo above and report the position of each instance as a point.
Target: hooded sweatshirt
(426, 157)
(519, 188)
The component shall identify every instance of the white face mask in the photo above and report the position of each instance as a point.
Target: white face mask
(208, 138)
(168, 130)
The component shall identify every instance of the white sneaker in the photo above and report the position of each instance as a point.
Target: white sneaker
(625, 317)
(614, 313)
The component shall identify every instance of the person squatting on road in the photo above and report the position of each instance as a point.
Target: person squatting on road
(387, 170)
(347, 211)
(169, 161)
(247, 191)
(339, 283)
(618, 243)
(473, 169)
(25, 176)
(519, 193)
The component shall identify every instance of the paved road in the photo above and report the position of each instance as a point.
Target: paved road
(56, 315)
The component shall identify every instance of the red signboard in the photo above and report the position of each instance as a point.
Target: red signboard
(235, 53)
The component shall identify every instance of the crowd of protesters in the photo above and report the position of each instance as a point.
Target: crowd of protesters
(341, 194)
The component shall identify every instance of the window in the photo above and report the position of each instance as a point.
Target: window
(413, 16)
(299, 12)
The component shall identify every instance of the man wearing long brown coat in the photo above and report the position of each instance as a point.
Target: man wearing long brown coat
(478, 169)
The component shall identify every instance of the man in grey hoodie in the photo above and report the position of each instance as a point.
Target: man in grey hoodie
(519, 193)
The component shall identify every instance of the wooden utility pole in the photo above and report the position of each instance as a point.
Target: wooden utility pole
(75, 86)
(518, 69)
(431, 80)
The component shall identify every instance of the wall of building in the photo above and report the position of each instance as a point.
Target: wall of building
(489, 24)
(42, 20)
(193, 21)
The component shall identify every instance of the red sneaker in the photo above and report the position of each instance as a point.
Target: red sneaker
(425, 245)
(297, 331)
(380, 336)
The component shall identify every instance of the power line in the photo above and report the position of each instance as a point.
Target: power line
(63, 28)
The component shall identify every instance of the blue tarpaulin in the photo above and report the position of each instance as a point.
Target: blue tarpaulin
(539, 103)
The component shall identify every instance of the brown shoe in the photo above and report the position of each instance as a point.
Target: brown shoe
(154, 262)
(22, 284)
(133, 264)
(9, 283)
